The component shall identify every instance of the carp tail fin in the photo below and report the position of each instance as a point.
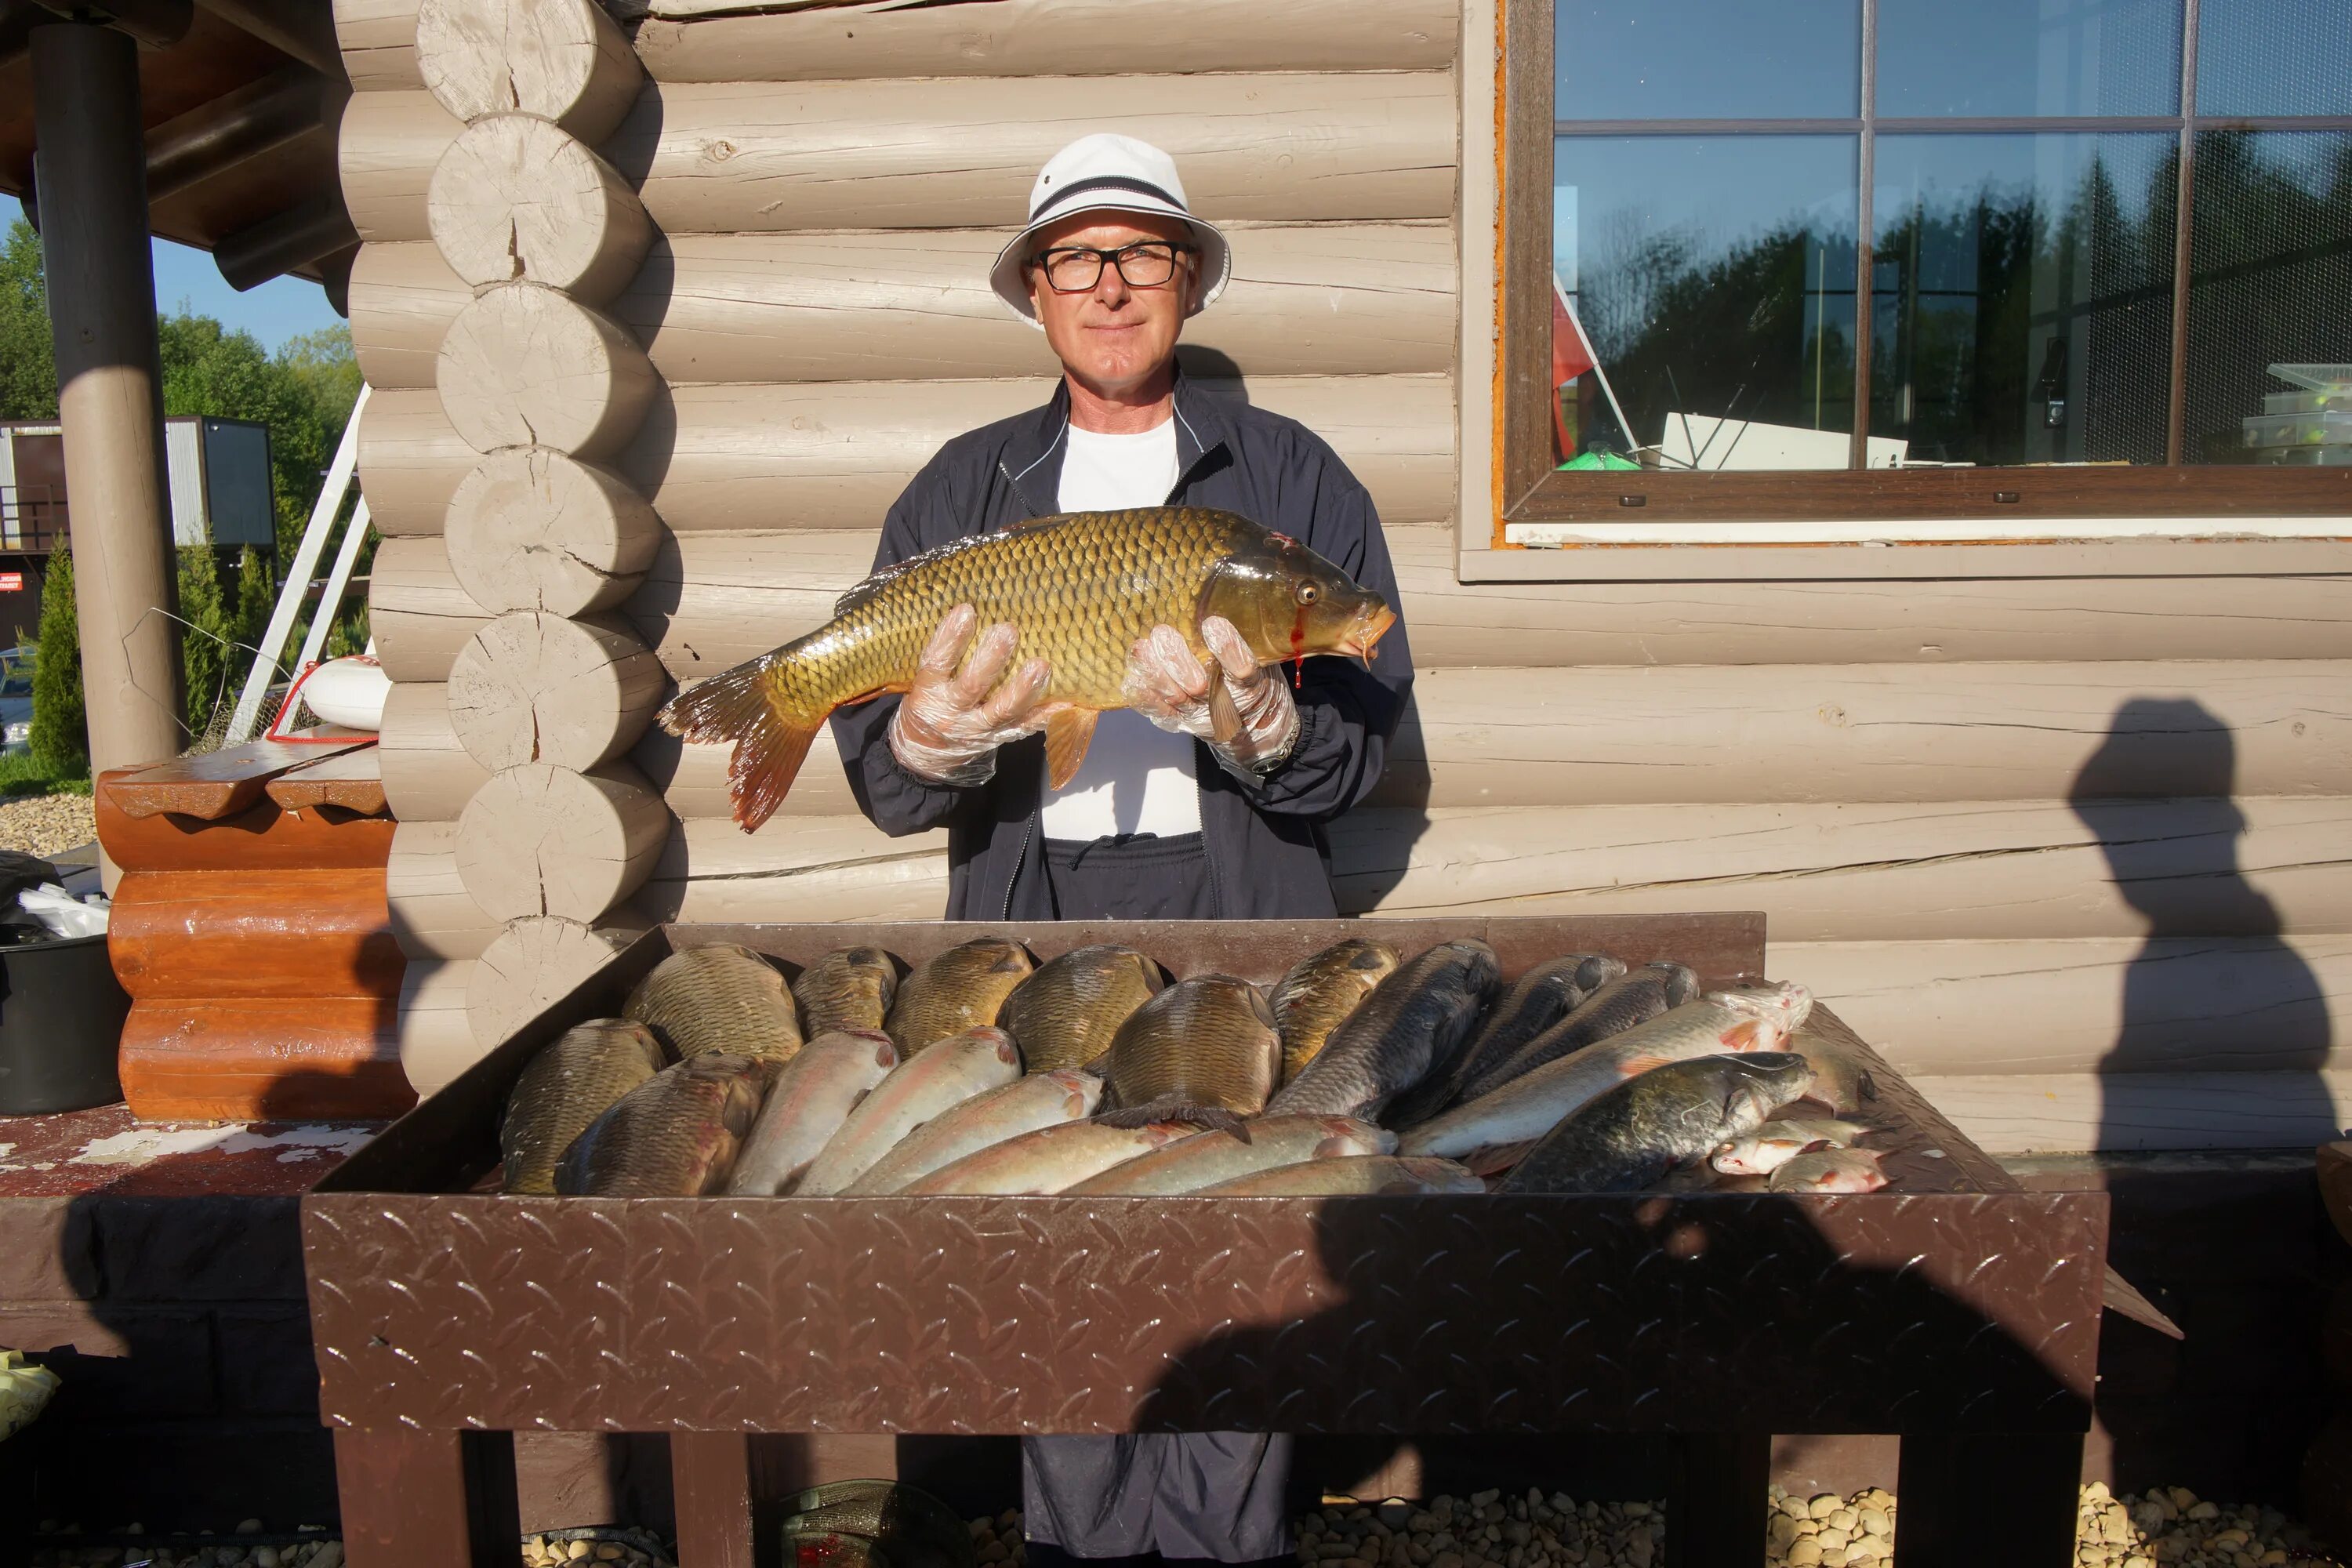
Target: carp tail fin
(770, 743)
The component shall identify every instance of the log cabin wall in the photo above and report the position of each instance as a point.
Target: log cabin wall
(1884, 767)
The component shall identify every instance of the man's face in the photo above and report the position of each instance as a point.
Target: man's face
(1114, 337)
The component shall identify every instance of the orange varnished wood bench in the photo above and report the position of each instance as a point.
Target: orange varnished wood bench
(251, 932)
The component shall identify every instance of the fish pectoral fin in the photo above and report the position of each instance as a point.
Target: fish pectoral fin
(1069, 734)
(1632, 1067)
(1224, 719)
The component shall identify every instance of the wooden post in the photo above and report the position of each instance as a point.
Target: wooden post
(101, 287)
(1715, 1502)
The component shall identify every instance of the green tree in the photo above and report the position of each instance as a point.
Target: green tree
(60, 740)
(256, 597)
(206, 659)
(28, 374)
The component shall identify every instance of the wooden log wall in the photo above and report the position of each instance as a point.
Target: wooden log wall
(517, 693)
(2066, 848)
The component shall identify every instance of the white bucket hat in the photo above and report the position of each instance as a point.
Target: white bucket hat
(1107, 173)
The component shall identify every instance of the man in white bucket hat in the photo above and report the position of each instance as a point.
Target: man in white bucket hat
(1161, 820)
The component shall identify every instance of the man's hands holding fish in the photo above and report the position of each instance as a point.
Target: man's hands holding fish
(951, 722)
(1243, 712)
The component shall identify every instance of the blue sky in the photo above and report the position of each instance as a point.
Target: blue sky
(277, 310)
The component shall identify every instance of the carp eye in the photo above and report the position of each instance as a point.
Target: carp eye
(1309, 592)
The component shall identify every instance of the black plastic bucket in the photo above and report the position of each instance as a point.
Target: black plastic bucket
(61, 1013)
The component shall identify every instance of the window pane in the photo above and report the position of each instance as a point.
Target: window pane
(2022, 297)
(2269, 282)
(1707, 59)
(2011, 58)
(1714, 277)
(2273, 57)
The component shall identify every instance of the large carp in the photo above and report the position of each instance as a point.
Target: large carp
(1081, 588)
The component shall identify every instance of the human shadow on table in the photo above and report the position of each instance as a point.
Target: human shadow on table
(1641, 1318)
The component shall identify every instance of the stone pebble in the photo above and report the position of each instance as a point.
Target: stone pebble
(2166, 1527)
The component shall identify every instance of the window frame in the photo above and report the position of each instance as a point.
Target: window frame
(2300, 515)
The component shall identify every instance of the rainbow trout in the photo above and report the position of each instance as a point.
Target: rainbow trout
(1490, 1133)
(1618, 1006)
(1207, 1158)
(1082, 588)
(1040, 1099)
(812, 1097)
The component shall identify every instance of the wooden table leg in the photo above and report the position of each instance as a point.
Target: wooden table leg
(711, 1481)
(412, 1497)
(1716, 1499)
(1943, 1477)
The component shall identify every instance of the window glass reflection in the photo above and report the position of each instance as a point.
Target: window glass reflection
(2270, 283)
(2022, 297)
(1707, 59)
(1714, 277)
(2273, 57)
(2011, 57)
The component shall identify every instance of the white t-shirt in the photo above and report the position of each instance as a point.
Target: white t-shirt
(1137, 778)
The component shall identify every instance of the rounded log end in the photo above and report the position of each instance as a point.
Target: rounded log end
(536, 688)
(532, 529)
(544, 840)
(564, 60)
(515, 198)
(523, 366)
(532, 963)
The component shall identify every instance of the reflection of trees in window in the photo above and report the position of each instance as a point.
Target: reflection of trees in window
(2011, 331)
(2270, 274)
(1761, 329)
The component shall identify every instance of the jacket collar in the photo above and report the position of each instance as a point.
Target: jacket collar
(1032, 460)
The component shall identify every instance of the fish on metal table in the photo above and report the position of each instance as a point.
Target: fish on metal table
(1065, 1013)
(1488, 1133)
(1616, 1006)
(1830, 1170)
(722, 997)
(1050, 1159)
(1842, 1079)
(1779, 1140)
(1320, 991)
(1207, 1158)
(1414, 1025)
(1629, 1139)
(915, 1091)
(1349, 1175)
(849, 988)
(1081, 588)
(812, 1097)
(1204, 1050)
(676, 1135)
(1539, 999)
(1040, 1099)
(573, 1080)
(962, 988)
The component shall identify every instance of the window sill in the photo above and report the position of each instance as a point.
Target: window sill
(2238, 547)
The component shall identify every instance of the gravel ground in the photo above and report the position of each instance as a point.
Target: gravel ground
(2166, 1528)
(44, 824)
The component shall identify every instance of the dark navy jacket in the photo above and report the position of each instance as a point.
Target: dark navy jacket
(1267, 857)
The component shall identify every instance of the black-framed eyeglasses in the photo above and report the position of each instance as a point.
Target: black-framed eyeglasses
(1147, 264)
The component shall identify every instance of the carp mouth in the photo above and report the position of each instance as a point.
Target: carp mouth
(1366, 633)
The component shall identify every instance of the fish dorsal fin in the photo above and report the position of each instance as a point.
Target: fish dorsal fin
(1069, 734)
(865, 593)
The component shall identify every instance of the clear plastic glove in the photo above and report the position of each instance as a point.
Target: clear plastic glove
(948, 726)
(1243, 710)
